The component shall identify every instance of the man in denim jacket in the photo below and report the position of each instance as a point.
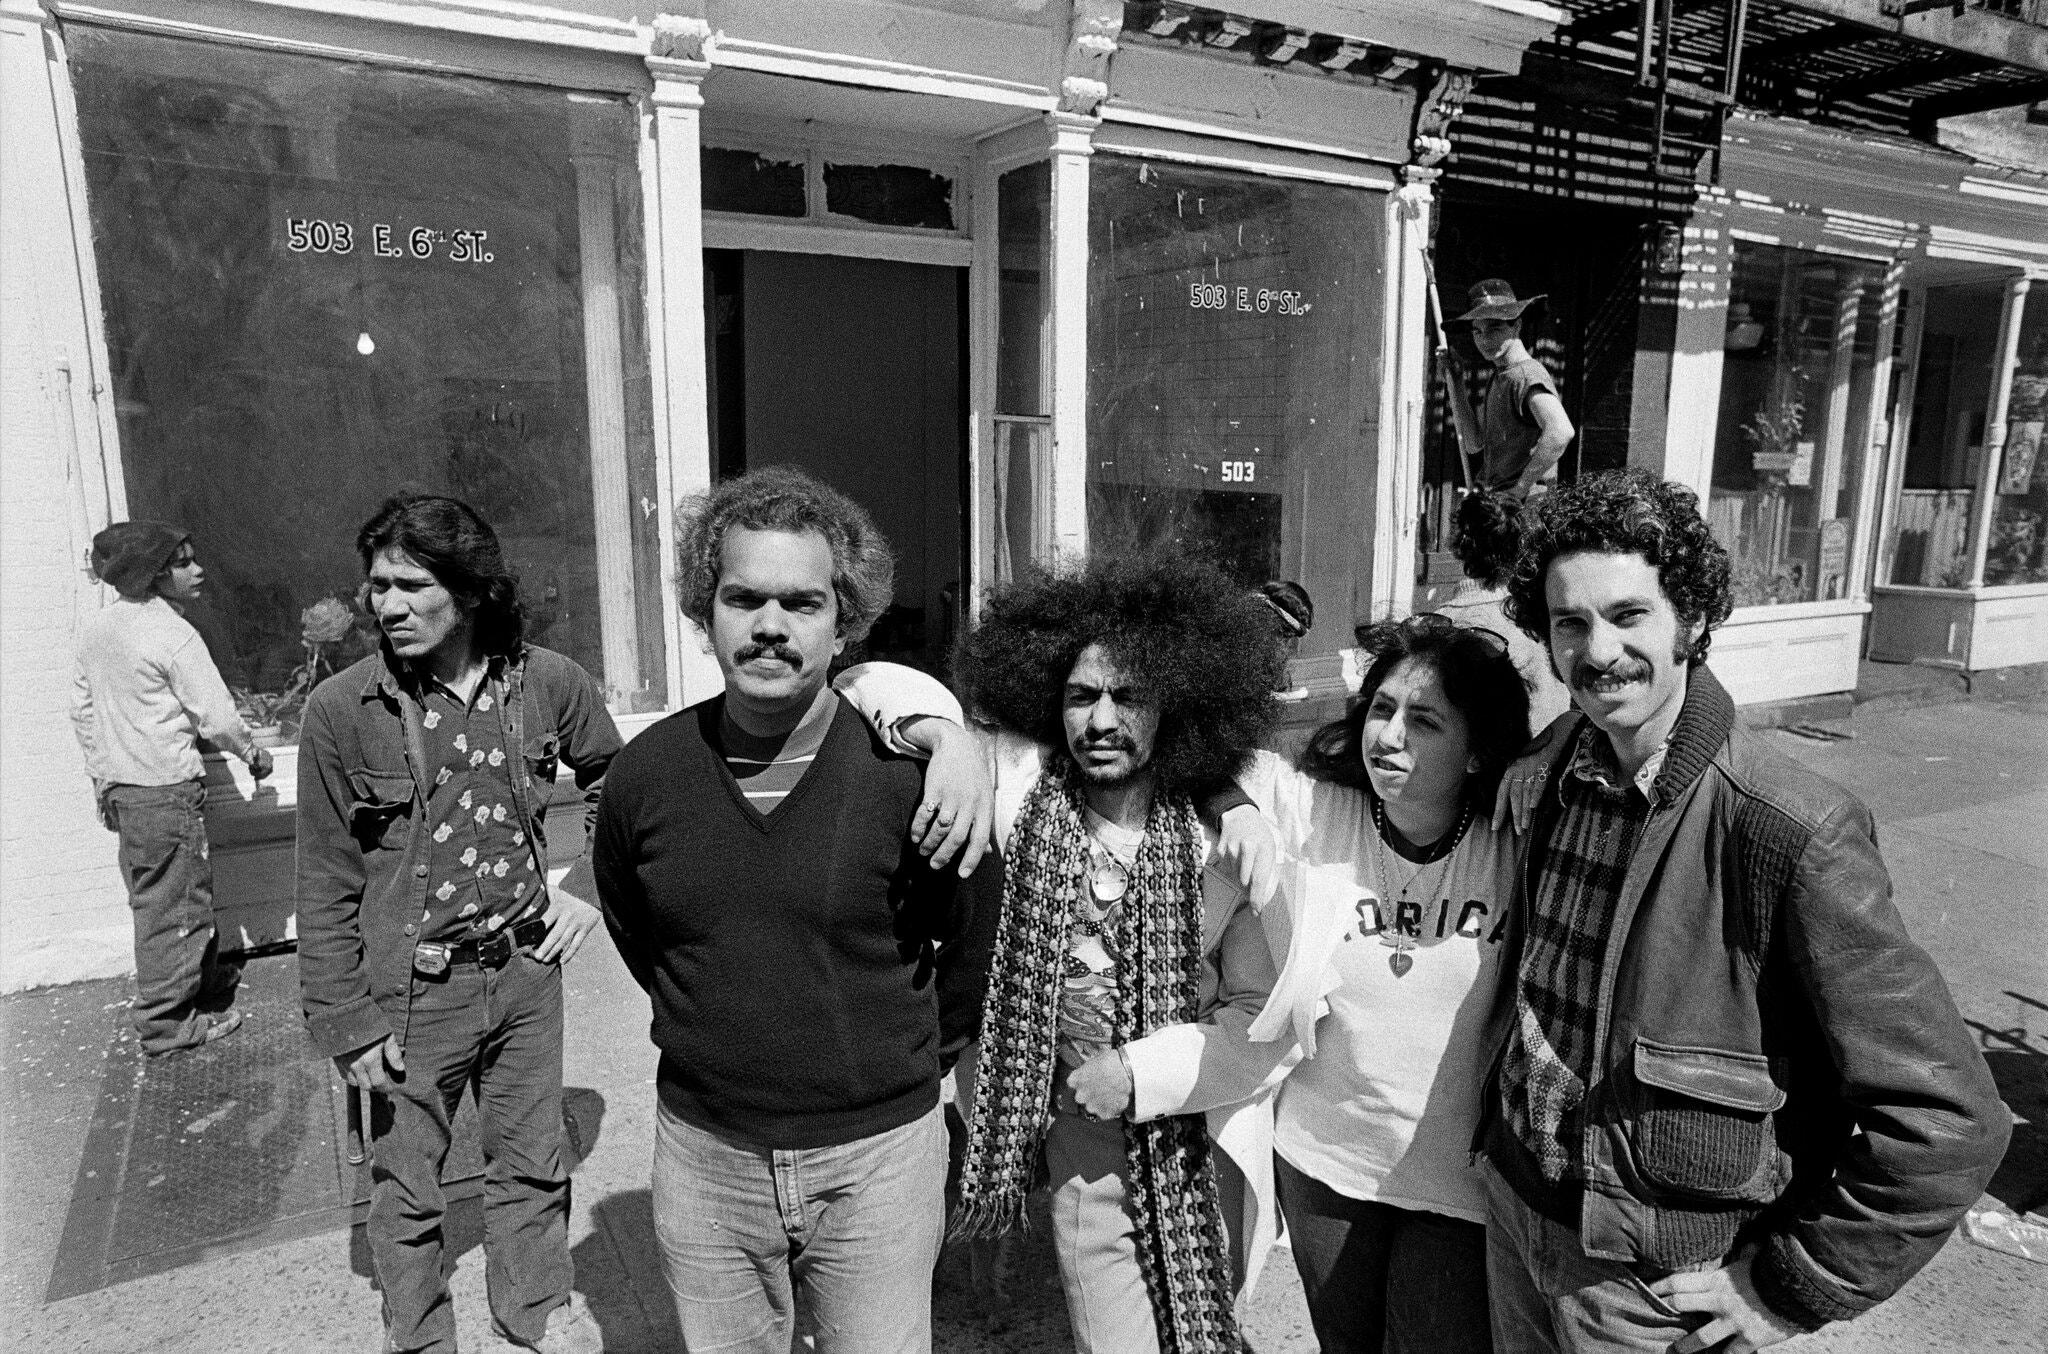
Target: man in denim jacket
(1733, 1100)
(430, 943)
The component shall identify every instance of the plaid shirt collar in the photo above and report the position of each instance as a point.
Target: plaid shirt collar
(1593, 761)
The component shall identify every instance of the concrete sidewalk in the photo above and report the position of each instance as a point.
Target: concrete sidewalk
(246, 1135)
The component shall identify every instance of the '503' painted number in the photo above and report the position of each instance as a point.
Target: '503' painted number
(1239, 472)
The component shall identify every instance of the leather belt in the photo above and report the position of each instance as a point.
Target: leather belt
(496, 950)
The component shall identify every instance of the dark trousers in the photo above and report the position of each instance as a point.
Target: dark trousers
(1385, 1280)
(178, 973)
(499, 1033)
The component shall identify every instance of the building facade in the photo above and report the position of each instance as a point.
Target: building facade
(1025, 278)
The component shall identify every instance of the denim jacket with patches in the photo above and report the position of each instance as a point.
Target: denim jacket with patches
(363, 845)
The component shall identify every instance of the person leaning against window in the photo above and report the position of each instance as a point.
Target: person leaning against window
(145, 692)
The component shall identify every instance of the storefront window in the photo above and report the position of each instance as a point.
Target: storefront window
(1951, 407)
(1800, 350)
(1023, 414)
(2018, 549)
(1233, 377)
(326, 283)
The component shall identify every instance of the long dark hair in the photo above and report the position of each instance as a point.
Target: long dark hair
(447, 538)
(1478, 677)
(1199, 643)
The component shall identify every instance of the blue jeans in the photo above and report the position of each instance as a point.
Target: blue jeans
(851, 1232)
(178, 973)
(1550, 1297)
(498, 1032)
(1381, 1279)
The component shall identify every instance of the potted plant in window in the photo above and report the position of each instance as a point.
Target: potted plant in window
(273, 717)
(1762, 575)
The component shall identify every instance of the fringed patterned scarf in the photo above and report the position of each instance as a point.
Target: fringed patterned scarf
(1182, 1250)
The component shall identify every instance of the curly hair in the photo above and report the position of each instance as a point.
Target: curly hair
(1478, 677)
(1625, 512)
(1201, 646)
(1486, 533)
(783, 498)
(451, 541)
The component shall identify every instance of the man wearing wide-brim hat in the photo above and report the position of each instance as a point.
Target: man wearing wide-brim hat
(1521, 429)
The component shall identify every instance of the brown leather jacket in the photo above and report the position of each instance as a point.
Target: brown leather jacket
(1779, 1063)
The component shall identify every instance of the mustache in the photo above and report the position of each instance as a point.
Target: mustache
(1626, 670)
(747, 653)
(1109, 742)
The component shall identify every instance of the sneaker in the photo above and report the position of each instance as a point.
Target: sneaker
(220, 1027)
(570, 1330)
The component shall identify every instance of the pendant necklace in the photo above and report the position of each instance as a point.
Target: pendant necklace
(1108, 878)
(1400, 961)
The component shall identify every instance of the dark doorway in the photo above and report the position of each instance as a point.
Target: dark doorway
(853, 370)
(1587, 262)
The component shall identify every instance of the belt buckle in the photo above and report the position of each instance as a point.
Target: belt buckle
(495, 949)
(430, 959)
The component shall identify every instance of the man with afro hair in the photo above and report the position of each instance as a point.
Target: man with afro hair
(1129, 961)
(1731, 1099)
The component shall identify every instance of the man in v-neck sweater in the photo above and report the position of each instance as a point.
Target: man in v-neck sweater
(754, 864)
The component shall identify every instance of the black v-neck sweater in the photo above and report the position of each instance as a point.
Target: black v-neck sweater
(790, 956)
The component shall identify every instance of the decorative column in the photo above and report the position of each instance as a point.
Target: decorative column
(1398, 474)
(2008, 355)
(1841, 376)
(1091, 41)
(593, 151)
(1067, 275)
(1681, 446)
(672, 147)
(1871, 513)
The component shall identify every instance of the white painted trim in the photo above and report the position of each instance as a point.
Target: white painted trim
(1793, 611)
(775, 59)
(1820, 236)
(984, 318)
(1866, 515)
(2011, 316)
(1404, 396)
(488, 38)
(675, 274)
(725, 129)
(732, 230)
(1981, 590)
(1150, 141)
(110, 470)
(1113, 112)
(1069, 279)
(659, 370)
(1949, 242)
(1487, 34)
(1901, 432)
(1025, 141)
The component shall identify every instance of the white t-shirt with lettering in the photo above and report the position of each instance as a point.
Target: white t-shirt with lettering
(1386, 1108)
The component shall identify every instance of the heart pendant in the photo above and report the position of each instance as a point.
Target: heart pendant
(1400, 961)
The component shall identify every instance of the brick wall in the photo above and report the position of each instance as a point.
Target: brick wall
(63, 914)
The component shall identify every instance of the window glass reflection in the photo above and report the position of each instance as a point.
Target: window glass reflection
(1233, 371)
(326, 283)
(1799, 355)
(2017, 551)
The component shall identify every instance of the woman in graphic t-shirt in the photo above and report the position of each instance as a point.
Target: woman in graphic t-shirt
(1386, 831)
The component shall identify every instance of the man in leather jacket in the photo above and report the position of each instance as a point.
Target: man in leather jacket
(430, 942)
(1731, 1100)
